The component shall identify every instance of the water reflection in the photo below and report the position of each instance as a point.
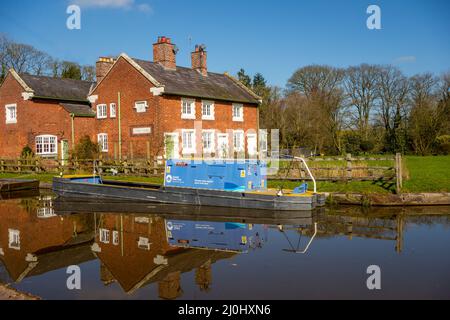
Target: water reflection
(139, 245)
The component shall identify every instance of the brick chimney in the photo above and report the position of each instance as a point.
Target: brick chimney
(164, 53)
(102, 67)
(199, 60)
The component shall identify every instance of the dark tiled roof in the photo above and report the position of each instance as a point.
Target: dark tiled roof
(63, 89)
(188, 82)
(80, 110)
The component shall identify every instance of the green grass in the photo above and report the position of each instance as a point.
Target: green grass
(41, 177)
(427, 174)
(344, 187)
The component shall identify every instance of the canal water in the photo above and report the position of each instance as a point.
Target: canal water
(145, 251)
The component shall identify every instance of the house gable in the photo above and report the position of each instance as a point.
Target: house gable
(123, 58)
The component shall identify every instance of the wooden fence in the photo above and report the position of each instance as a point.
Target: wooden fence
(146, 168)
(348, 168)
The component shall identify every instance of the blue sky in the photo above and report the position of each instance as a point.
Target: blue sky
(267, 36)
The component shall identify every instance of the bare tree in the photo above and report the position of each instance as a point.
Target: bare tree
(88, 73)
(393, 90)
(322, 86)
(361, 88)
(428, 113)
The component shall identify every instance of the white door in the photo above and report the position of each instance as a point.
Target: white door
(171, 150)
(222, 145)
(252, 145)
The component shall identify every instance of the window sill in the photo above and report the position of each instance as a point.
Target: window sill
(11, 121)
(238, 119)
(208, 118)
(102, 118)
(187, 117)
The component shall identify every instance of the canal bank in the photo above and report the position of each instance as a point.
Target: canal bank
(7, 293)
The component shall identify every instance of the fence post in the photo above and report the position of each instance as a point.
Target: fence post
(100, 166)
(148, 150)
(349, 167)
(19, 165)
(2, 163)
(37, 168)
(155, 166)
(398, 172)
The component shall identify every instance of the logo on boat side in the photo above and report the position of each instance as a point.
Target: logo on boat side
(169, 178)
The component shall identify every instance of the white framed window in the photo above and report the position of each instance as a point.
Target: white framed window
(11, 113)
(102, 111)
(208, 137)
(238, 112)
(141, 106)
(104, 235)
(207, 110)
(188, 141)
(14, 239)
(144, 243)
(116, 238)
(46, 145)
(102, 139)
(238, 140)
(45, 212)
(187, 109)
(112, 110)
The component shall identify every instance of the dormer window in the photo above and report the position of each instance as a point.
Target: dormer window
(141, 106)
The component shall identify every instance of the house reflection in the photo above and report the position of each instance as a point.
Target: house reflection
(33, 240)
(136, 250)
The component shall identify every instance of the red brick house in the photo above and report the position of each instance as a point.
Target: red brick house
(158, 108)
(137, 109)
(49, 115)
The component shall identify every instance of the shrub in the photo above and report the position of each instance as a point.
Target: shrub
(85, 149)
(443, 144)
(26, 153)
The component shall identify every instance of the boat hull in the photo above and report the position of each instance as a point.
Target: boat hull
(185, 196)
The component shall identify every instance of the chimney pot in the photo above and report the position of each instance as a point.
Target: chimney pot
(102, 67)
(199, 60)
(164, 53)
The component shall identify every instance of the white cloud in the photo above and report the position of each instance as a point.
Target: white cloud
(114, 4)
(406, 59)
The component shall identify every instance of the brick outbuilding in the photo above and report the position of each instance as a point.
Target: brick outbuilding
(48, 115)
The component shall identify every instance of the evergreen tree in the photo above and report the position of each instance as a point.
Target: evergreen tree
(244, 78)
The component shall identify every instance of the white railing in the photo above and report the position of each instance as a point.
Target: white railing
(309, 172)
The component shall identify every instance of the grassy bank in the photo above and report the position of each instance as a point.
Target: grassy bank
(422, 174)
(427, 174)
